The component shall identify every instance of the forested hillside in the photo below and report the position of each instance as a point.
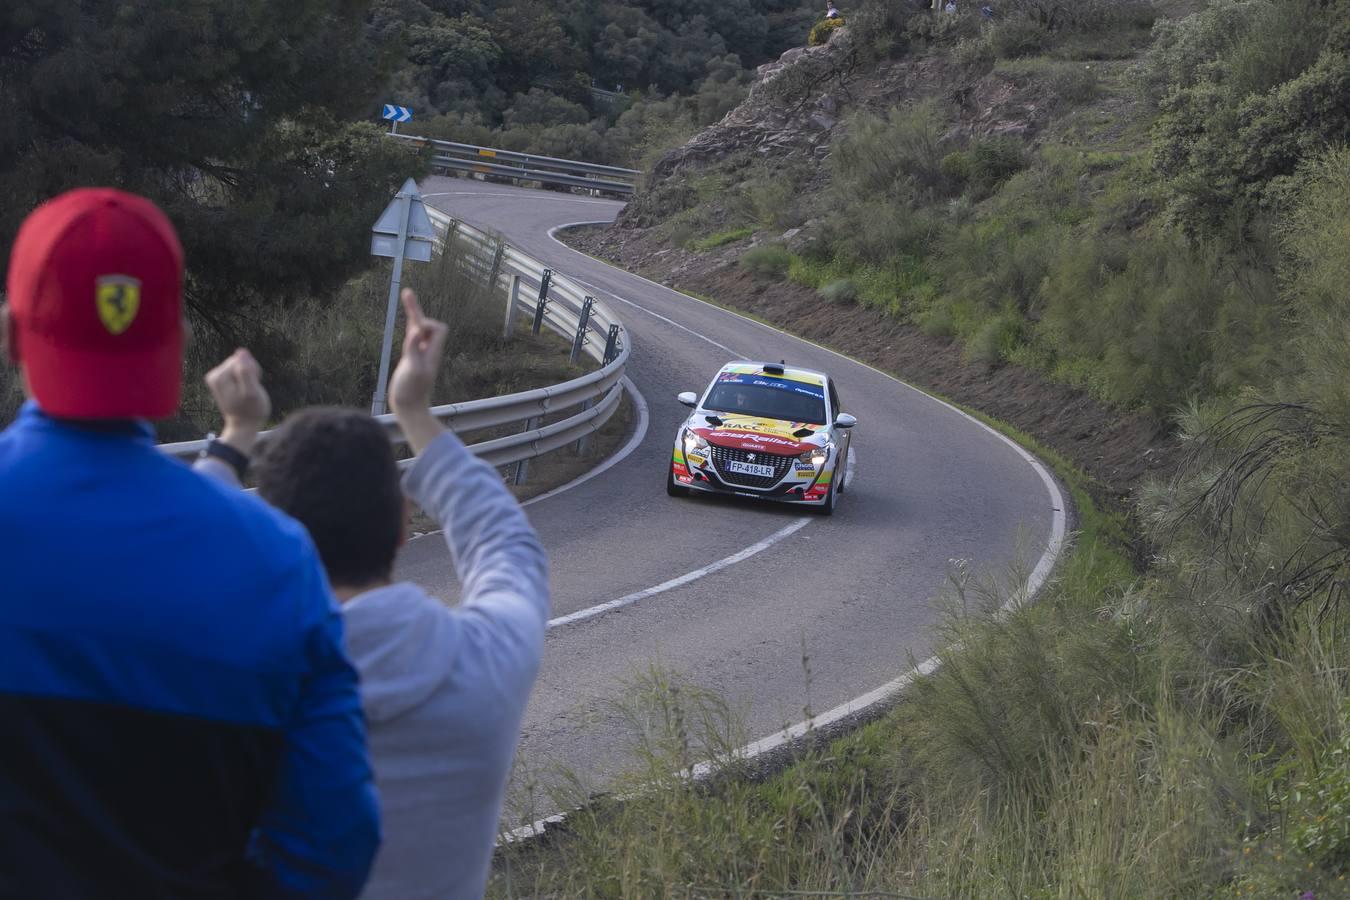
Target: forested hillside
(520, 73)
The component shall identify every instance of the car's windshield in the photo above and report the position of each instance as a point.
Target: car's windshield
(768, 397)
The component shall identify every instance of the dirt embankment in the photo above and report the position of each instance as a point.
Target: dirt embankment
(1117, 450)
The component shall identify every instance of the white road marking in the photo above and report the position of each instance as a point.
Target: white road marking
(752, 550)
(628, 600)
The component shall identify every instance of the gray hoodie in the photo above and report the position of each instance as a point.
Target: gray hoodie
(444, 689)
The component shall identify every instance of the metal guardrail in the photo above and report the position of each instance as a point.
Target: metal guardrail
(455, 157)
(562, 307)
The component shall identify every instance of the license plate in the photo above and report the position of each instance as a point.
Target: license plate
(745, 468)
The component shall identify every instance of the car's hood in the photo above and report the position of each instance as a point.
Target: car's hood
(759, 435)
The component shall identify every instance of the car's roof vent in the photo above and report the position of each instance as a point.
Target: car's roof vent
(774, 368)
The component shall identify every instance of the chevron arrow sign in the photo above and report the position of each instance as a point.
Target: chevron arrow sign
(397, 113)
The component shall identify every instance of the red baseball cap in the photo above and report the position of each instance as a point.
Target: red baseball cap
(96, 307)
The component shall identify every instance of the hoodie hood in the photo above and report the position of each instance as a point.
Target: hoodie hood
(403, 643)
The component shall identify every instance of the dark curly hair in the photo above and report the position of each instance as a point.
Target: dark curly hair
(333, 470)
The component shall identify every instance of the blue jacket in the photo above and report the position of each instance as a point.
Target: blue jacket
(180, 718)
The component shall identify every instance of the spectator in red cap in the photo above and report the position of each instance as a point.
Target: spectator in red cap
(180, 716)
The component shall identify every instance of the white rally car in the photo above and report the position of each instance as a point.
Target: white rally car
(766, 431)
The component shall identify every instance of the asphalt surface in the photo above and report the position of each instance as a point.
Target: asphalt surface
(855, 593)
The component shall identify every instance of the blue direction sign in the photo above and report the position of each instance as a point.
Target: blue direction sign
(397, 113)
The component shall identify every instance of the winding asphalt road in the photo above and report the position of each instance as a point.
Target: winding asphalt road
(857, 590)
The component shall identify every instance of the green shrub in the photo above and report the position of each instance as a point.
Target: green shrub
(1017, 37)
(942, 29)
(994, 161)
(1266, 95)
(976, 53)
(1075, 83)
(1081, 15)
(1323, 831)
(955, 166)
(896, 155)
(767, 261)
(720, 239)
(771, 198)
(996, 339)
(841, 290)
(822, 31)
(938, 321)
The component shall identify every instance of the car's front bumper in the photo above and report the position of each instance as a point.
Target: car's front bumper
(699, 474)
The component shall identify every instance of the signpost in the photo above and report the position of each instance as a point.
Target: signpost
(394, 115)
(404, 231)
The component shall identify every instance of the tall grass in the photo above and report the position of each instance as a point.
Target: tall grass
(1129, 735)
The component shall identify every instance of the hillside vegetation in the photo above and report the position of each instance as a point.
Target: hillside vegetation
(1151, 202)
(518, 74)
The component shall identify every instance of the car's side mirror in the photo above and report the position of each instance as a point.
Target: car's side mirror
(845, 421)
(688, 398)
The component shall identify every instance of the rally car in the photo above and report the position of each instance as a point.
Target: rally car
(764, 430)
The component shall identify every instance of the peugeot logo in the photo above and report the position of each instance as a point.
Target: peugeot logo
(750, 457)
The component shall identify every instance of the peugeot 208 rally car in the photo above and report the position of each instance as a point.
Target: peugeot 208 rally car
(767, 431)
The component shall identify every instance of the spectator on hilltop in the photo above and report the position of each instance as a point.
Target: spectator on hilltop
(444, 688)
(181, 719)
(831, 12)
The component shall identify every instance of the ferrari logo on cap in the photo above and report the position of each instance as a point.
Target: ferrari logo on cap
(119, 299)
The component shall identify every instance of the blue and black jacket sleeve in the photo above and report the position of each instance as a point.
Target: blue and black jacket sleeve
(321, 832)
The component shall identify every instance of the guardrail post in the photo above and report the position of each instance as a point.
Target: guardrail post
(543, 299)
(523, 467)
(585, 440)
(583, 325)
(512, 297)
(612, 344)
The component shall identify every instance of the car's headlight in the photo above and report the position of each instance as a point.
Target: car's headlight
(816, 456)
(693, 442)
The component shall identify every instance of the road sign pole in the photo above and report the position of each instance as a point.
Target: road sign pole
(379, 406)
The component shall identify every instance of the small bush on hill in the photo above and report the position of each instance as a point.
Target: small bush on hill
(1073, 83)
(955, 167)
(1080, 15)
(822, 31)
(721, 238)
(766, 261)
(996, 339)
(1323, 831)
(1253, 96)
(994, 161)
(840, 290)
(1017, 37)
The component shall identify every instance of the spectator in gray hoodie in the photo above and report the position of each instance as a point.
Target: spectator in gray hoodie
(444, 689)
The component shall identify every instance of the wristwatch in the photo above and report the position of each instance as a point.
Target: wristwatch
(218, 449)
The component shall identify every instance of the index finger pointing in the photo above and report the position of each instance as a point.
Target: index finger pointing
(411, 307)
